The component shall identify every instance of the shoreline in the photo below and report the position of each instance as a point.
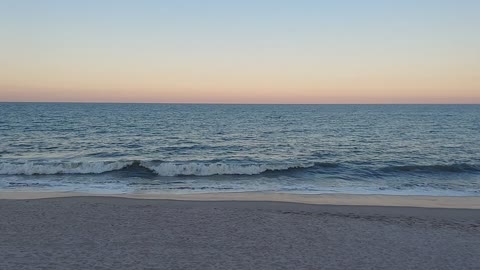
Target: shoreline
(423, 201)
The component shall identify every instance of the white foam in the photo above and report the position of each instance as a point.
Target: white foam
(160, 168)
(205, 169)
(30, 168)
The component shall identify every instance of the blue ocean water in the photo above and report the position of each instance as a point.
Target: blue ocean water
(180, 148)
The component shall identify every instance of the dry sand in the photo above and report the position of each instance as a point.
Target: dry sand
(121, 233)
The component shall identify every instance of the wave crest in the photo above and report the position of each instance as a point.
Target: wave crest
(159, 168)
(206, 169)
(31, 168)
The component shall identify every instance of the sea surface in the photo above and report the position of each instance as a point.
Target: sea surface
(183, 148)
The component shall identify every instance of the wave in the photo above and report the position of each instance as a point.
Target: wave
(455, 168)
(156, 167)
(197, 168)
(31, 168)
(206, 169)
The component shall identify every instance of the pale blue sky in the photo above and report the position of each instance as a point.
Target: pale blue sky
(230, 49)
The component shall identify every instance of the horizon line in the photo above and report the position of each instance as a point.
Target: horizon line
(226, 103)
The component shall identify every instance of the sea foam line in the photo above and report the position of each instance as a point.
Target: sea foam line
(159, 168)
(31, 168)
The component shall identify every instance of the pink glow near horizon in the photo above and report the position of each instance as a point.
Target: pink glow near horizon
(241, 52)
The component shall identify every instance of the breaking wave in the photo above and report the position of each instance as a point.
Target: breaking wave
(202, 168)
(159, 168)
(31, 168)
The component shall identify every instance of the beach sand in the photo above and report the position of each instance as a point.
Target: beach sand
(94, 232)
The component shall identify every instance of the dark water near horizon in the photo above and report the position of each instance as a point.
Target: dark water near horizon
(180, 148)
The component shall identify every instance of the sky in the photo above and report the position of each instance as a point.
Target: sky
(249, 51)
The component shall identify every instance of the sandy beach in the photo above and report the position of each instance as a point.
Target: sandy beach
(94, 232)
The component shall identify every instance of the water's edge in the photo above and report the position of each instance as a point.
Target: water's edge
(322, 199)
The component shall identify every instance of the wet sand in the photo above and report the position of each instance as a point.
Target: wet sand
(464, 202)
(92, 232)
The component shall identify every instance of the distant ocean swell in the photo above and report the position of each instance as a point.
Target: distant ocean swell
(202, 168)
(461, 167)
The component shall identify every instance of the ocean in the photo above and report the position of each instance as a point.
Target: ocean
(188, 148)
